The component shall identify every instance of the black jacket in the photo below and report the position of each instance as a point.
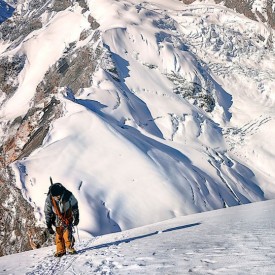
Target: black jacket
(68, 207)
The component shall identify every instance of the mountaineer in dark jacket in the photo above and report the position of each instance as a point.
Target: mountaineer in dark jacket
(61, 211)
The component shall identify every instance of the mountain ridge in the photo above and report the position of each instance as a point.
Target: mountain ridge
(168, 105)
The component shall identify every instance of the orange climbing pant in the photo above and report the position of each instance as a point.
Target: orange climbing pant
(63, 239)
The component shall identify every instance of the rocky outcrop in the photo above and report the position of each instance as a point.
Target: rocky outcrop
(23, 135)
(18, 229)
(9, 71)
(26, 134)
(270, 13)
(73, 70)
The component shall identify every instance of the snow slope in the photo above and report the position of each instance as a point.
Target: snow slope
(238, 240)
(178, 118)
(65, 27)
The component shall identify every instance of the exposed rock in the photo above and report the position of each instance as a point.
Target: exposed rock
(30, 132)
(94, 24)
(9, 70)
(75, 70)
(18, 229)
(241, 6)
(270, 14)
(60, 5)
(18, 26)
(194, 92)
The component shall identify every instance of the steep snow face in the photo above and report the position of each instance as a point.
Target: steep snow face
(176, 119)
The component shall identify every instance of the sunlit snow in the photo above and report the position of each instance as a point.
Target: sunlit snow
(178, 118)
(238, 240)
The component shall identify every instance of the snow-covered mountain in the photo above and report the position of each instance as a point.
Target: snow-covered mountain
(258, 10)
(239, 240)
(146, 111)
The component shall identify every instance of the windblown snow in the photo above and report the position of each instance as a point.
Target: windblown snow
(179, 117)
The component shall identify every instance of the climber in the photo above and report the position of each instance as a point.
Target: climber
(61, 211)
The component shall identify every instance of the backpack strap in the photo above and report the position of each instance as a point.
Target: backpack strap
(64, 220)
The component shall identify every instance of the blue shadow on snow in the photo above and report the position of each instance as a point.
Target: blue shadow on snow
(6, 11)
(138, 108)
(137, 238)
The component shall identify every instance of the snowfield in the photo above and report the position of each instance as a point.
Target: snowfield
(178, 119)
(237, 240)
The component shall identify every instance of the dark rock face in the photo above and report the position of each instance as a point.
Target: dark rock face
(270, 14)
(9, 71)
(18, 229)
(74, 72)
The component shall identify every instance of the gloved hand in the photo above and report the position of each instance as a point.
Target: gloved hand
(50, 229)
(76, 217)
(76, 222)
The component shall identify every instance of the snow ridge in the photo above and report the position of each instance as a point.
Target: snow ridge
(238, 240)
(153, 110)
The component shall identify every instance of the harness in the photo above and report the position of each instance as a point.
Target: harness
(66, 219)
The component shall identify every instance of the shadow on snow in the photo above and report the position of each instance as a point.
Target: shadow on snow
(106, 245)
